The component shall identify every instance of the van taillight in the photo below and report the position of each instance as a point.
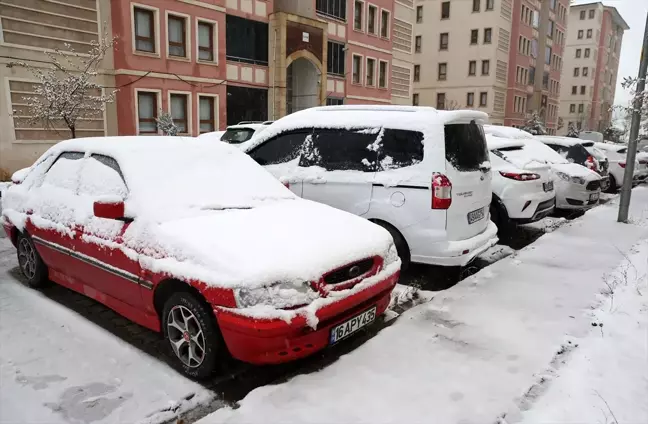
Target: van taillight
(441, 192)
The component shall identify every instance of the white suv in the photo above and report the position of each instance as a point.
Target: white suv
(422, 174)
(243, 131)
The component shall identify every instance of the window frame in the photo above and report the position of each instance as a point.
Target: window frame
(188, 108)
(373, 72)
(213, 27)
(580, 34)
(355, 13)
(572, 108)
(416, 76)
(470, 63)
(577, 54)
(475, 33)
(582, 15)
(490, 5)
(588, 34)
(214, 112)
(447, 37)
(330, 63)
(438, 97)
(186, 31)
(375, 8)
(591, 14)
(387, 34)
(476, 6)
(415, 99)
(577, 71)
(342, 4)
(490, 37)
(360, 70)
(586, 53)
(482, 95)
(386, 76)
(470, 99)
(443, 4)
(419, 16)
(442, 76)
(157, 103)
(487, 63)
(154, 22)
(418, 44)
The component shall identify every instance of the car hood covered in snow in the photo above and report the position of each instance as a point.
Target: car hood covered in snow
(575, 170)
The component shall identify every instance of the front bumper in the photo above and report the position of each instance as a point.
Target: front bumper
(273, 341)
(542, 210)
(577, 199)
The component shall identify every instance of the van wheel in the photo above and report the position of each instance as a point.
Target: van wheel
(401, 245)
(192, 335)
(30, 262)
(613, 185)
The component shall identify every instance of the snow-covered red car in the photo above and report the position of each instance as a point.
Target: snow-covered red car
(197, 241)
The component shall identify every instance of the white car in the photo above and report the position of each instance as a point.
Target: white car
(617, 155)
(576, 186)
(519, 195)
(591, 136)
(422, 174)
(211, 136)
(243, 131)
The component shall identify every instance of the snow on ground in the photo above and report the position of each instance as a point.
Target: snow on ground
(473, 353)
(58, 367)
(606, 378)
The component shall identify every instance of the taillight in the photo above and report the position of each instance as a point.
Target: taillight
(524, 176)
(643, 161)
(287, 184)
(622, 164)
(441, 192)
(591, 164)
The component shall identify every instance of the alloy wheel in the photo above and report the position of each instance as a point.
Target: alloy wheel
(186, 336)
(27, 258)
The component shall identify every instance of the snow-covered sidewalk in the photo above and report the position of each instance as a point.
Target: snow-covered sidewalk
(56, 366)
(480, 351)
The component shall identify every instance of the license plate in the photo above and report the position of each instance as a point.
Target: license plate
(593, 197)
(351, 326)
(548, 186)
(475, 216)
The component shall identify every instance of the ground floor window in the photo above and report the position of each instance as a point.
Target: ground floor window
(207, 112)
(246, 104)
(179, 112)
(332, 101)
(147, 112)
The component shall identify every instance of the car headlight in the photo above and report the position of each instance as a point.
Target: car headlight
(562, 176)
(279, 295)
(578, 180)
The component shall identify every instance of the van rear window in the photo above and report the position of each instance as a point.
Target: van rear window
(465, 146)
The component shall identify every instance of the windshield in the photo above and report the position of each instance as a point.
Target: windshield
(533, 151)
(237, 135)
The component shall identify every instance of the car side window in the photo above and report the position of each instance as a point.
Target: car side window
(101, 176)
(64, 172)
(280, 149)
(341, 150)
(400, 148)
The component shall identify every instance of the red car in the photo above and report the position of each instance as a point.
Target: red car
(196, 240)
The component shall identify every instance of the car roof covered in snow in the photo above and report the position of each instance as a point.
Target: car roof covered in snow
(613, 147)
(564, 141)
(251, 126)
(507, 132)
(414, 118)
(495, 143)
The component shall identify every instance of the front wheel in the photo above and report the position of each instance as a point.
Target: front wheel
(30, 262)
(613, 185)
(192, 334)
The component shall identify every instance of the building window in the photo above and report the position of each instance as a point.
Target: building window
(357, 65)
(382, 74)
(578, 53)
(419, 14)
(443, 41)
(585, 71)
(332, 101)
(144, 30)
(576, 70)
(589, 33)
(417, 73)
(440, 101)
(246, 40)
(580, 108)
(474, 36)
(206, 110)
(582, 15)
(582, 89)
(177, 35)
(415, 99)
(179, 112)
(547, 55)
(417, 44)
(370, 69)
(490, 4)
(206, 41)
(357, 15)
(476, 5)
(332, 8)
(483, 99)
(443, 71)
(591, 14)
(485, 67)
(472, 68)
(470, 99)
(552, 4)
(371, 19)
(488, 35)
(536, 19)
(246, 104)
(572, 108)
(587, 53)
(574, 89)
(335, 58)
(445, 10)
(545, 80)
(532, 70)
(580, 34)
(384, 23)
(147, 105)
(550, 29)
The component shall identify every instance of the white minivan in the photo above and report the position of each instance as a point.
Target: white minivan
(422, 174)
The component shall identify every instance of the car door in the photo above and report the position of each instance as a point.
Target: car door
(279, 155)
(53, 216)
(338, 168)
(102, 264)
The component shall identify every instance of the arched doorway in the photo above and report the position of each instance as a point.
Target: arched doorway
(303, 84)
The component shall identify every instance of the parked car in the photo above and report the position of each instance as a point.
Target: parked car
(217, 254)
(594, 136)
(617, 155)
(422, 174)
(212, 136)
(520, 196)
(582, 152)
(243, 131)
(576, 186)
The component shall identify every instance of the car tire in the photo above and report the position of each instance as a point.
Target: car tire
(185, 311)
(30, 262)
(500, 217)
(401, 245)
(613, 185)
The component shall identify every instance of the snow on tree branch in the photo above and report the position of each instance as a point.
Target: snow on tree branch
(534, 125)
(165, 123)
(572, 131)
(66, 89)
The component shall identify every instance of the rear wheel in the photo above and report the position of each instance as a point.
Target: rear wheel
(30, 262)
(401, 245)
(192, 334)
(500, 217)
(613, 185)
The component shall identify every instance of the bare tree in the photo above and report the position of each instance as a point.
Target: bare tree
(66, 89)
(630, 84)
(452, 105)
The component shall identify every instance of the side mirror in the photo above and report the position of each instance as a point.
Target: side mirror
(19, 175)
(109, 210)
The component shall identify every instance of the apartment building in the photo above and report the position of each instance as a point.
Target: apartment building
(591, 66)
(209, 63)
(485, 54)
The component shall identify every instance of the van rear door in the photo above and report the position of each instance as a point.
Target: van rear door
(468, 169)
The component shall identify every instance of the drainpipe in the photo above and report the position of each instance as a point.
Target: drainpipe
(274, 78)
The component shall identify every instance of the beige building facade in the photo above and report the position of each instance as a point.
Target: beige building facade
(591, 66)
(402, 52)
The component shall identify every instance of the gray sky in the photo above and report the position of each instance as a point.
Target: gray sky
(634, 13)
